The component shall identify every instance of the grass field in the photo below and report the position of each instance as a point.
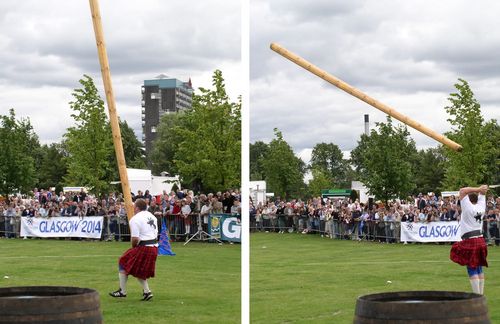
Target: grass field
(298, 278)
(201, 284)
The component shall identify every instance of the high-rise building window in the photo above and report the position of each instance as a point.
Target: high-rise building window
(162, 95)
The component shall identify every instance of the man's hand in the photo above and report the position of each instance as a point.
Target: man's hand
(483, 189)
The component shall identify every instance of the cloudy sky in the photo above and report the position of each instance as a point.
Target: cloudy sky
(47, 46)
(406, 54)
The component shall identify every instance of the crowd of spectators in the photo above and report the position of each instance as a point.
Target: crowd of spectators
(343, 218)
(178, 209)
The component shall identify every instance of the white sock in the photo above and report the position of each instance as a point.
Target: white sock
(475, 285)
(481, 286)
(123, 282)
(144, 284)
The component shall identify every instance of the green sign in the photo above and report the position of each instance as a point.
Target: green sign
(335, 193)
(224, 226)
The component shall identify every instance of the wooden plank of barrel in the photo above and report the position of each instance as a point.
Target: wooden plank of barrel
(49, 304)
(362, 96)
(422, 307)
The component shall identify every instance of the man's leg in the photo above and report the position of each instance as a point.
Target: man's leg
(122, 277)
(474, 278)
(123, 282)
(481, 281)
(147, 294)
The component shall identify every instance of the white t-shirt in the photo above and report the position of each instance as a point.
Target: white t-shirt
(144, 226)
(205, 210)
(186, 210)
(472, 215)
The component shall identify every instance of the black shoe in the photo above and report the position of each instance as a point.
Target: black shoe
(117, 293)
(147, 296)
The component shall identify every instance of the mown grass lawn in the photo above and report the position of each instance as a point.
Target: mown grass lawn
(201, 284)
(297, 278)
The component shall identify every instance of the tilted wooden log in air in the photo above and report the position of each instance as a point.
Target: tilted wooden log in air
(360, 95)
(110, 99)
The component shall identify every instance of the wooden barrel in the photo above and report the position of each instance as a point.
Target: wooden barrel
(443, 307)
(49, 304)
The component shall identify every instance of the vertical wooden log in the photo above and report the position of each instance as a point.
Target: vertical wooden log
(360, 95)
(110, 99)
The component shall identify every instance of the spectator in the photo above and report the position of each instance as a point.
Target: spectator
(389, 220)
(328, 221)
(236, 209)
(154, 209)
(185, 213)
(205, 211)
(492, 219)
(266, 218)
(10, 214)
(139, 195)
(42, 211)
(148, 196)
(280, 215)
(258, 217)
(289, 214)
(17, 220)
(422, 217)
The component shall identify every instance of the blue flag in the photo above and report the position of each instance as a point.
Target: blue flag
(164, 247)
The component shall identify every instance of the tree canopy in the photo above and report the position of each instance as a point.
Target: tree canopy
(132, 148)
(203, 144)
(89, 142)
(258, 152)
(52, 166)
(284, 171)
(383, 161)
(473, 165)
(329, 158)
(17, 163)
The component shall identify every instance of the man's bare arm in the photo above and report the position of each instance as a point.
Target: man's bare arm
(467, 190)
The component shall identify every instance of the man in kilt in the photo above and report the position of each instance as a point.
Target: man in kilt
(472, 250)
(139, 261)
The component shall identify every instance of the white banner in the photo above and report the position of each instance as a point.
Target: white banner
(89, 227)
(430, 232)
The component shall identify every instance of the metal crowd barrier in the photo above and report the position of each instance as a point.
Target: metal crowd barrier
(116, 228)
(369, 230)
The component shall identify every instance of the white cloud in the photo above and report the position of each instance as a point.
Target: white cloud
(47, 46)
(406, 55)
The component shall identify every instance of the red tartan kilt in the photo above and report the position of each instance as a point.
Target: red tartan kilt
(139, 261)
(470, 252)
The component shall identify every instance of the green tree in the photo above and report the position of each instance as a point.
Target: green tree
(329, 158)
(492, 175)
(208, 154)
(132, 148)
(258, 151)
(383, 161)
(89, 142)
(470, 166)
(284, 171)
(162, 156)
(429, 170)
(52, 166)
(17, 165)
(321, 180)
